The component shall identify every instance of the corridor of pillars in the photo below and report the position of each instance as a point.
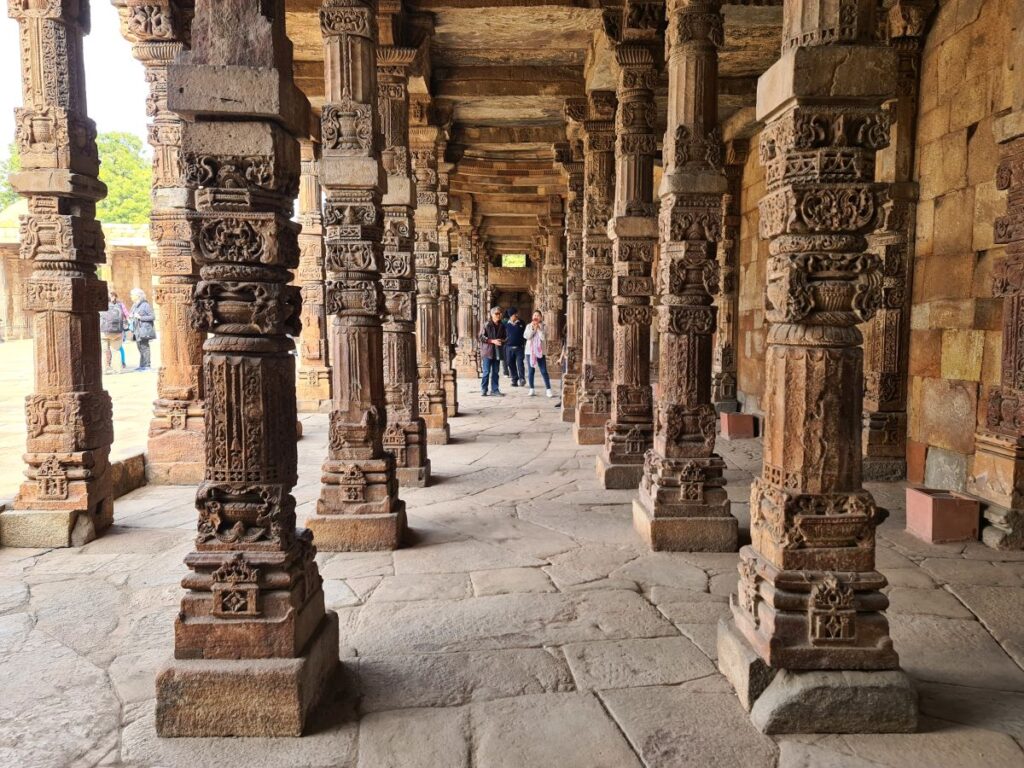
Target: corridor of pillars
(414, 177)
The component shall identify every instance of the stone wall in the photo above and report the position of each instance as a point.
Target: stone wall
(753, 259)
(955, 344)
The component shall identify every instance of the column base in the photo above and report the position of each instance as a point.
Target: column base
(826, 701)
(727, 406)
(711, 533)
(175, 457)
(313, 406)
(587, 435)
(54, 528)
(884, 469)
(568, 413)
(451, 393)
(359, 533)
(439, 435)
(413, 477)
(247, 697)
(313, 390)
(614, 475)
(1005, 529)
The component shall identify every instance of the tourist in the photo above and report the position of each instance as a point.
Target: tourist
(534, 336)
(492, 337)
(141, 320)
(504, 357)
(113, 321)
(514, 341)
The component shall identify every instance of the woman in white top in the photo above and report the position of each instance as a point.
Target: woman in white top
(535, 359)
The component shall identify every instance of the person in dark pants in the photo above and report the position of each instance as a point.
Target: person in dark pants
(504, 354)
(492, 338)
(514, 347)
(142, 322)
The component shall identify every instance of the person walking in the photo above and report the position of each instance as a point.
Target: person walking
(113, 321)
(514, 351)
(534, 336)
(142, 323)
(504, 354)
(492, 337)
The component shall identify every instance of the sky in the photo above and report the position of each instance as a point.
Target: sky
(115, 82)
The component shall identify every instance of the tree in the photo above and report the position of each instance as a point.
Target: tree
(127, 172)
(10, 164)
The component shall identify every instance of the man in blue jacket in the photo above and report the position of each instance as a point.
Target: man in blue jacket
(515, 347)
(492, 337)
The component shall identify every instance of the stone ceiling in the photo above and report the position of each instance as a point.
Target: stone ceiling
(505, 68)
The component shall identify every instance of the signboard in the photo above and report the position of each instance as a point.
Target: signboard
(513, 260)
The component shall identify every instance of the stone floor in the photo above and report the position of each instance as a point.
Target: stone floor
(526, 627)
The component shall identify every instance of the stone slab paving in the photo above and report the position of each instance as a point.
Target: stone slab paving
(528, 627)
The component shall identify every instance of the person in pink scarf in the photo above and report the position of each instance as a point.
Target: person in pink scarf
(535, 359)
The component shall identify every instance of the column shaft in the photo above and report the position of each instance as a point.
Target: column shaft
(573, 166)
(444, 295)
(723, 364)
(466, 273)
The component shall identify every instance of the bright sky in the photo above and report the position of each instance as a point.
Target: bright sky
(115, 81)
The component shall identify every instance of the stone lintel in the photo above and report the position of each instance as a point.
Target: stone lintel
(58, 181)
(686, 181)
(633, 226)
(364, 172)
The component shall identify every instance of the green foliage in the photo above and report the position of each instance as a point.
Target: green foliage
(9, 165)
(128, 174)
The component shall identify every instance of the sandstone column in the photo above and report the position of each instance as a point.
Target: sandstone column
(466, 273)
(359, 508)
(314, 385)
(159, 31)
(998, 470)
(423, 141)
(723, 360)
(571, 159)
(551, 300)
(809, 597)
(252, 629)
(887, 335)
(633, 230)
(593, 399)
(406, 435)
(66, 499)
(444, 291)
(682, 503)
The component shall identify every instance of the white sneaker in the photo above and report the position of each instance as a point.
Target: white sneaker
(549, 393)
(532, 393)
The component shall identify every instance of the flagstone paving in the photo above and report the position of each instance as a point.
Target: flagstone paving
(527, 626)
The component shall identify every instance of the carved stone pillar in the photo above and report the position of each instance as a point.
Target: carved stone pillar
(682, 503)
(359, 508)
(887, 334)
(633, 230)
(252, 626)
(998, 470)
(593, 399)
(66, 500)
(423, 140)
(571, 158)
(314, 386)
(550, 299)
(406, 435)
(444, 293)
(809, 596)
(467, 275)
(159, 31)
(723, 361)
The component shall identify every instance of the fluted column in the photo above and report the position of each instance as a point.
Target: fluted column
(809, 596)
(682, 504)
(314, 385)
(159, 31)
(359, 508)
(571, 159)
(444, 292)
(252, 626)
(633, 230)
(66, 499)
(723, 361)
(406, 435)
(593, 399)
(423, 141)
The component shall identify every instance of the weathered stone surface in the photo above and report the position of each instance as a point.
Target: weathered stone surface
(986, 708)
(451, 679)
(465, 556)
(440, 586)
(742, 667)
(528, 730)
(662, 570)
(634, 663)
(588, 563)
(974, 572)
(441, 737)
(677, 726)
(505, 581)
(837, 702)
(1000, 610)
(933, 602)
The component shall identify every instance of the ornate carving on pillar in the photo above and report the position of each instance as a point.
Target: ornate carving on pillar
(998, 470)
(723, 361)
(570, 156)
(159, 31)
(466, 275)
(66, 499)
(359, 508)
(314, 385)
(445, 324)
(253, 615)
(423, 143)
(809, 596)
(682, 504)
(633, 230)
(406, 435)
(594, 390)
(551, 284)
